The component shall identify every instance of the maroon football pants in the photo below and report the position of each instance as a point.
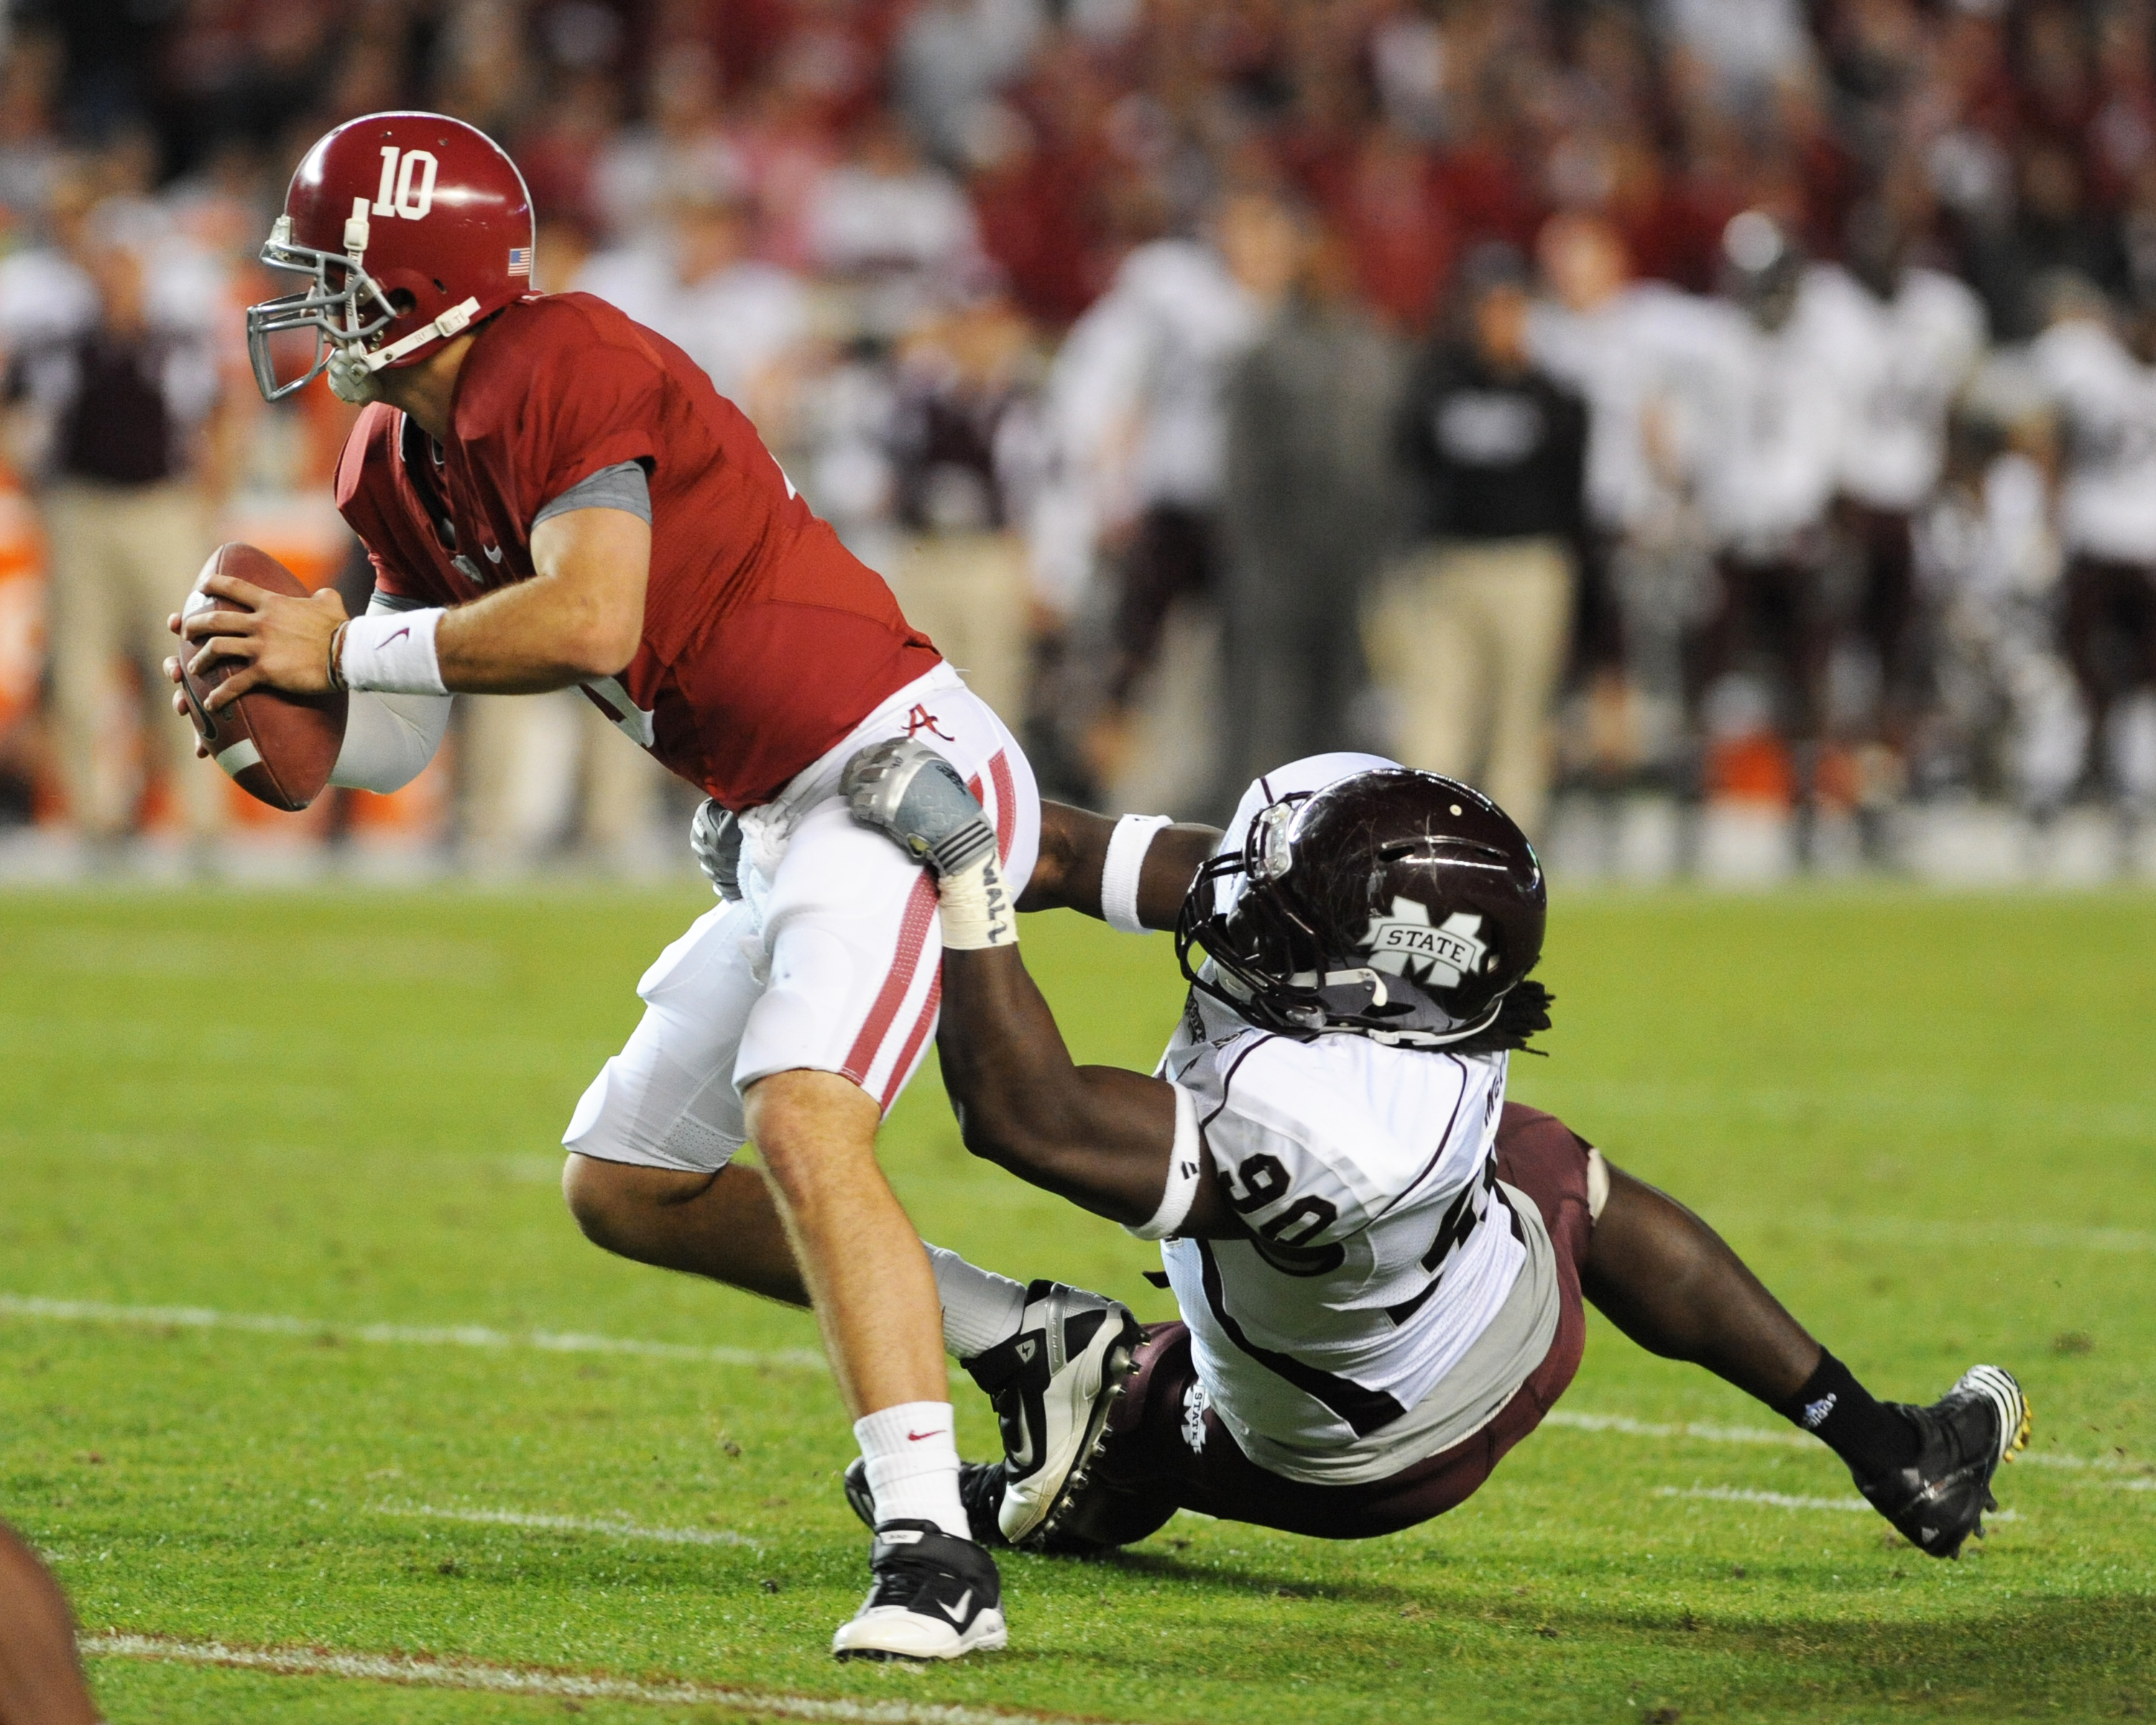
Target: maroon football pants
(1163, 1454)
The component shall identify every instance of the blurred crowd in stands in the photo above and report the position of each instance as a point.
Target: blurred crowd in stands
(1724, 429)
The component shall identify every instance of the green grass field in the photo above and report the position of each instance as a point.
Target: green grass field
(275, 1250)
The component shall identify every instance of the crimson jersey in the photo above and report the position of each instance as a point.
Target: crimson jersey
(765, 640)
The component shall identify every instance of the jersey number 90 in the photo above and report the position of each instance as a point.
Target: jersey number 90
(1281, 1241)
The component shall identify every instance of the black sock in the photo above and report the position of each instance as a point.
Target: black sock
(1839, 1411)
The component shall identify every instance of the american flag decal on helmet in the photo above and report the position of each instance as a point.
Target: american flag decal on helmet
(520, 260)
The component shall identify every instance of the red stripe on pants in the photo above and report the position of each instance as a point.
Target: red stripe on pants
(999, 773)
(913, 1043)
(912, 936)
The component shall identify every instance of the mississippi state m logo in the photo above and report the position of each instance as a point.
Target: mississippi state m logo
(1406, 945)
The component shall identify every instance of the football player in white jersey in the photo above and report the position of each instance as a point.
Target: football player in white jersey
(1897, 341)
(1664, 376)
(1381, 1266)
(2104, 396)
(1769, 491)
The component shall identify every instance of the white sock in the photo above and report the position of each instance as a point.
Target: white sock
(912, 1453)
(980, 1308)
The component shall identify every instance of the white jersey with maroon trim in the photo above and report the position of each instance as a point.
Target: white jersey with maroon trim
(1382, 1245)
(2106, 399)
(1895, 365)
(1662, 373)
(1776, 468)
(1392, 1292)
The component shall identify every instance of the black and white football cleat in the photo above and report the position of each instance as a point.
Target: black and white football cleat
(1052, 1385)
(980, 1489)
(1939, 1501)
(933, 1597)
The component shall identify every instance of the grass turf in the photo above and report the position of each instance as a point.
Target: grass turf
(1928, 1121)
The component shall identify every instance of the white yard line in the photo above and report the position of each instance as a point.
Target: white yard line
(1625, 1427)
(1788, 1502)
(1783, 1500)
(202, 1318)
(527, 1679)
(607, 1526)
(1566, 1417)
(1775, 1500)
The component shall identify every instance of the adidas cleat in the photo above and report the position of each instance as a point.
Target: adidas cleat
(1052, 1384)
(933, 1597)
(980, 1489)
(1940, 1500)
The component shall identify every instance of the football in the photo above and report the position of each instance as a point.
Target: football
(278, 748)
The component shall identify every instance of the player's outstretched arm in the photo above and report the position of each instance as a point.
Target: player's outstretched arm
(1104, 1137)
(1075, 846)
(1117, 1142)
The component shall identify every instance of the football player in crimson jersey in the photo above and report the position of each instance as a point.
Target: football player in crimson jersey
(1381, 1263)
(552, 495)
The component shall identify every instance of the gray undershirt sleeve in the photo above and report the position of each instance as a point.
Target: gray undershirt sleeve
(389, 739)
(621, 486)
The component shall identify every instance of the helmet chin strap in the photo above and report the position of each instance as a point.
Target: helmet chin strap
(352, 368)
(351, 379)
(451, 322)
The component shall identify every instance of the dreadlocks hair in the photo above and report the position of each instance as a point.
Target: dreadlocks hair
(1524, 1012)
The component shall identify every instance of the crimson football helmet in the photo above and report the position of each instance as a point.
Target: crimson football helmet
(413, 226)
(1393, 904)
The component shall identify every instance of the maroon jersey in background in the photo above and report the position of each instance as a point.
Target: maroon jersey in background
(765, 640)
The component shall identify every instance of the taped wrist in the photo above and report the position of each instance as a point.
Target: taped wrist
(1123, 867)
(975, 907)
(1186, 1163)
(963, 848)
(393, 653)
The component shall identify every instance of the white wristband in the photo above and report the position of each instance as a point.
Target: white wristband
(1186, 1161)
(392, 652)
(975, 908)
(1125, 863)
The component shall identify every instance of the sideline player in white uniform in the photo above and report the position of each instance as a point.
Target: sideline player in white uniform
(1380, 1264)
(1898, 341)
(2105, 398)
(1664, 374)
(1769, 491)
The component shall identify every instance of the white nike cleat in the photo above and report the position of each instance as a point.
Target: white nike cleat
(934, 1597)
(1053, 1384)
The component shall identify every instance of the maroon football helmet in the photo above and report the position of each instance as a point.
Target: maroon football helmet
(413, 226)
(1396, 904)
